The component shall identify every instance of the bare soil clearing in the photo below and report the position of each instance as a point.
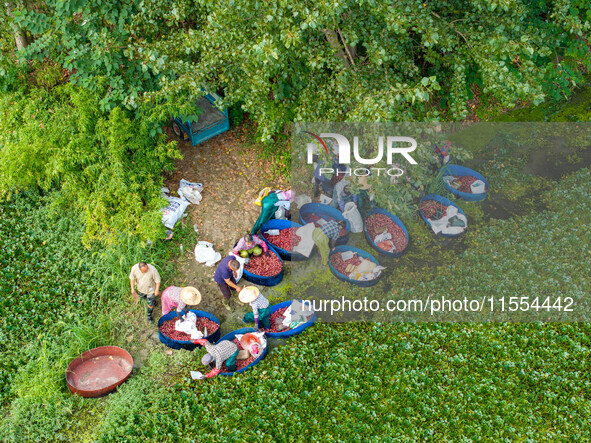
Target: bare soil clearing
(232, 173)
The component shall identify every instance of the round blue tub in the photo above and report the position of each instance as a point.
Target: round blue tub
(324, 211)
(460, 171)
(282, 224)
(343, 277)
(187, 344)
(289, 332)
(395, 220)
(444, 201)
(262, 280)
(230, 336)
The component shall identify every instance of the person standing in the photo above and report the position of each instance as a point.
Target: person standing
(365, 201)
(345, 196)
(269, 205)
(225, 277)
(326, 237)
(146, 279)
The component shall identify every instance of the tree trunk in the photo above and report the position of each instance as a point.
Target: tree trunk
(20, 35)
(333, 41)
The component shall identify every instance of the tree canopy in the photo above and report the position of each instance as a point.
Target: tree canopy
(315, 60)
(280, 61)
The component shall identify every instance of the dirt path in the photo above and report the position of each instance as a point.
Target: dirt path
(232, 174)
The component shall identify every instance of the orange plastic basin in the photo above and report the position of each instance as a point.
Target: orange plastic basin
(99, 371)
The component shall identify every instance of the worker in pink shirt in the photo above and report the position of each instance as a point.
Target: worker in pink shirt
(250, 244)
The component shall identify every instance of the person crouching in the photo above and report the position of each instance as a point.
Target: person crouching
(224, 351)
(261, 311)
(250, 244)
(179, 298)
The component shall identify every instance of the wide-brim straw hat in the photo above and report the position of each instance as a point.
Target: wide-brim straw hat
(249, 294)
(247, 339)
(190, 295)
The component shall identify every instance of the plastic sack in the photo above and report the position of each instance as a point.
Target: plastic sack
(300, 311)
(285, 204)
(190, 191)
(301, 200)
(382, 237)
(306, 244)
(478, 187)
(184, 183)
(204, 253)
(347, 255)
(295, 315)
(367, 276)
(352, 214)
(280, 213)
(174, 211)
(366, 266)
(264, 192)
(442, 225)
(325, 199)
(189, 326)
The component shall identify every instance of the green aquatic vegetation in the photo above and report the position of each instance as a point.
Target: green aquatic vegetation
(399, 381)
(59, 299)
(532, 255)
(46, 276)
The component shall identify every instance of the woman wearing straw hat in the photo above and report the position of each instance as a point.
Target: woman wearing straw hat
(259, 304)
(179, 298)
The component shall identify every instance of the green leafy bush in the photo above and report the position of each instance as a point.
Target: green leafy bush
(108, 165)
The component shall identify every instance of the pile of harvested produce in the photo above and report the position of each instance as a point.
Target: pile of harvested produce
(167, 328)
(432, 208)
(355, 266)
(462, 183)
(287, 239)
(263, 265)
(384, 224)
(278, 314)
(341, 265)
(313, 218)
(239, 363)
